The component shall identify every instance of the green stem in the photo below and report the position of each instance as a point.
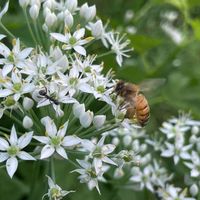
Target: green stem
(52, 169)
(8, 114)
(37, 33)
(6, 30)
(29, 27)
(105, 54)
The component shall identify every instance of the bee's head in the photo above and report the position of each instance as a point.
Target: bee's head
(119, 87)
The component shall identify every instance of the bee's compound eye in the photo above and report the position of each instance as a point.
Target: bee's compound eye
(42, 92)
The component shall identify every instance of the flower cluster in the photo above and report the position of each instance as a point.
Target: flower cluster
(179, 140)
(55, 95)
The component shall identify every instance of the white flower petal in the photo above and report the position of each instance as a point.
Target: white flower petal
(97, 164)
(7, 69)
(194, 173)
(81, 50)
(79, 33)
(4, 10)
(5, 92)
(108, 148)
(61, 151)
(13, 136)
(71, 140)
(24, 53)
(167, 153)
(25, 139)
(50, 182)
(108, 160)
(84, 164)
(3, 144)
(11, 166)
(62, 130)
(3, 156)
(101, 141)
(88, 145)
(42, 139)
(25, 156)
(59, 37)
(47, 151)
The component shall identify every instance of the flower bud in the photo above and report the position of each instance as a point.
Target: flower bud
(86, 119)
(45, 28)
(118, 173)
(115, 141)
(143, 147)
(88, 12)
(27, 122)
(51, 4)
(99, 120)
(24, 3)
(198, 147)
(71, 5)
(193, 139)
(78, 109)
(68, 18)
(34, 11)
(136, 145)
(127, 139)
(50, 19)
(194, 190)
(28, 103)
(195, 130)
(97, 29)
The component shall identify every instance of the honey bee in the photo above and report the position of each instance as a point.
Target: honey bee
(135, 103)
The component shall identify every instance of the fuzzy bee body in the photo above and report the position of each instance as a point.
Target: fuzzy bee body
(136, 104)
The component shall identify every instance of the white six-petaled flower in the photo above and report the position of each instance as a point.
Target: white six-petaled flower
(55, 140)
(11, 149)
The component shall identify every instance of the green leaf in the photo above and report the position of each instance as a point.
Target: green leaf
(143, 43)
(196, 28)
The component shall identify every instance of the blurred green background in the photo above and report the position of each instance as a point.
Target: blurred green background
(155, 55)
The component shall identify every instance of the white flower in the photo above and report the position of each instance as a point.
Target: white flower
(89, 174)
(99, 152)
(118, 46)
(195, 165)
(176, 151)
(172, 193)
(74, 41)
(17, 86)
(12, 149)
(88, 12)
(173, 33)
(143, 178)
(4, 10)
(16, 57)
(171, 130)
(55, 191)
(99, 31)
(55, 140)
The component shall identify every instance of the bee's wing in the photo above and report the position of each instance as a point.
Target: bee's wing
(151, 84)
